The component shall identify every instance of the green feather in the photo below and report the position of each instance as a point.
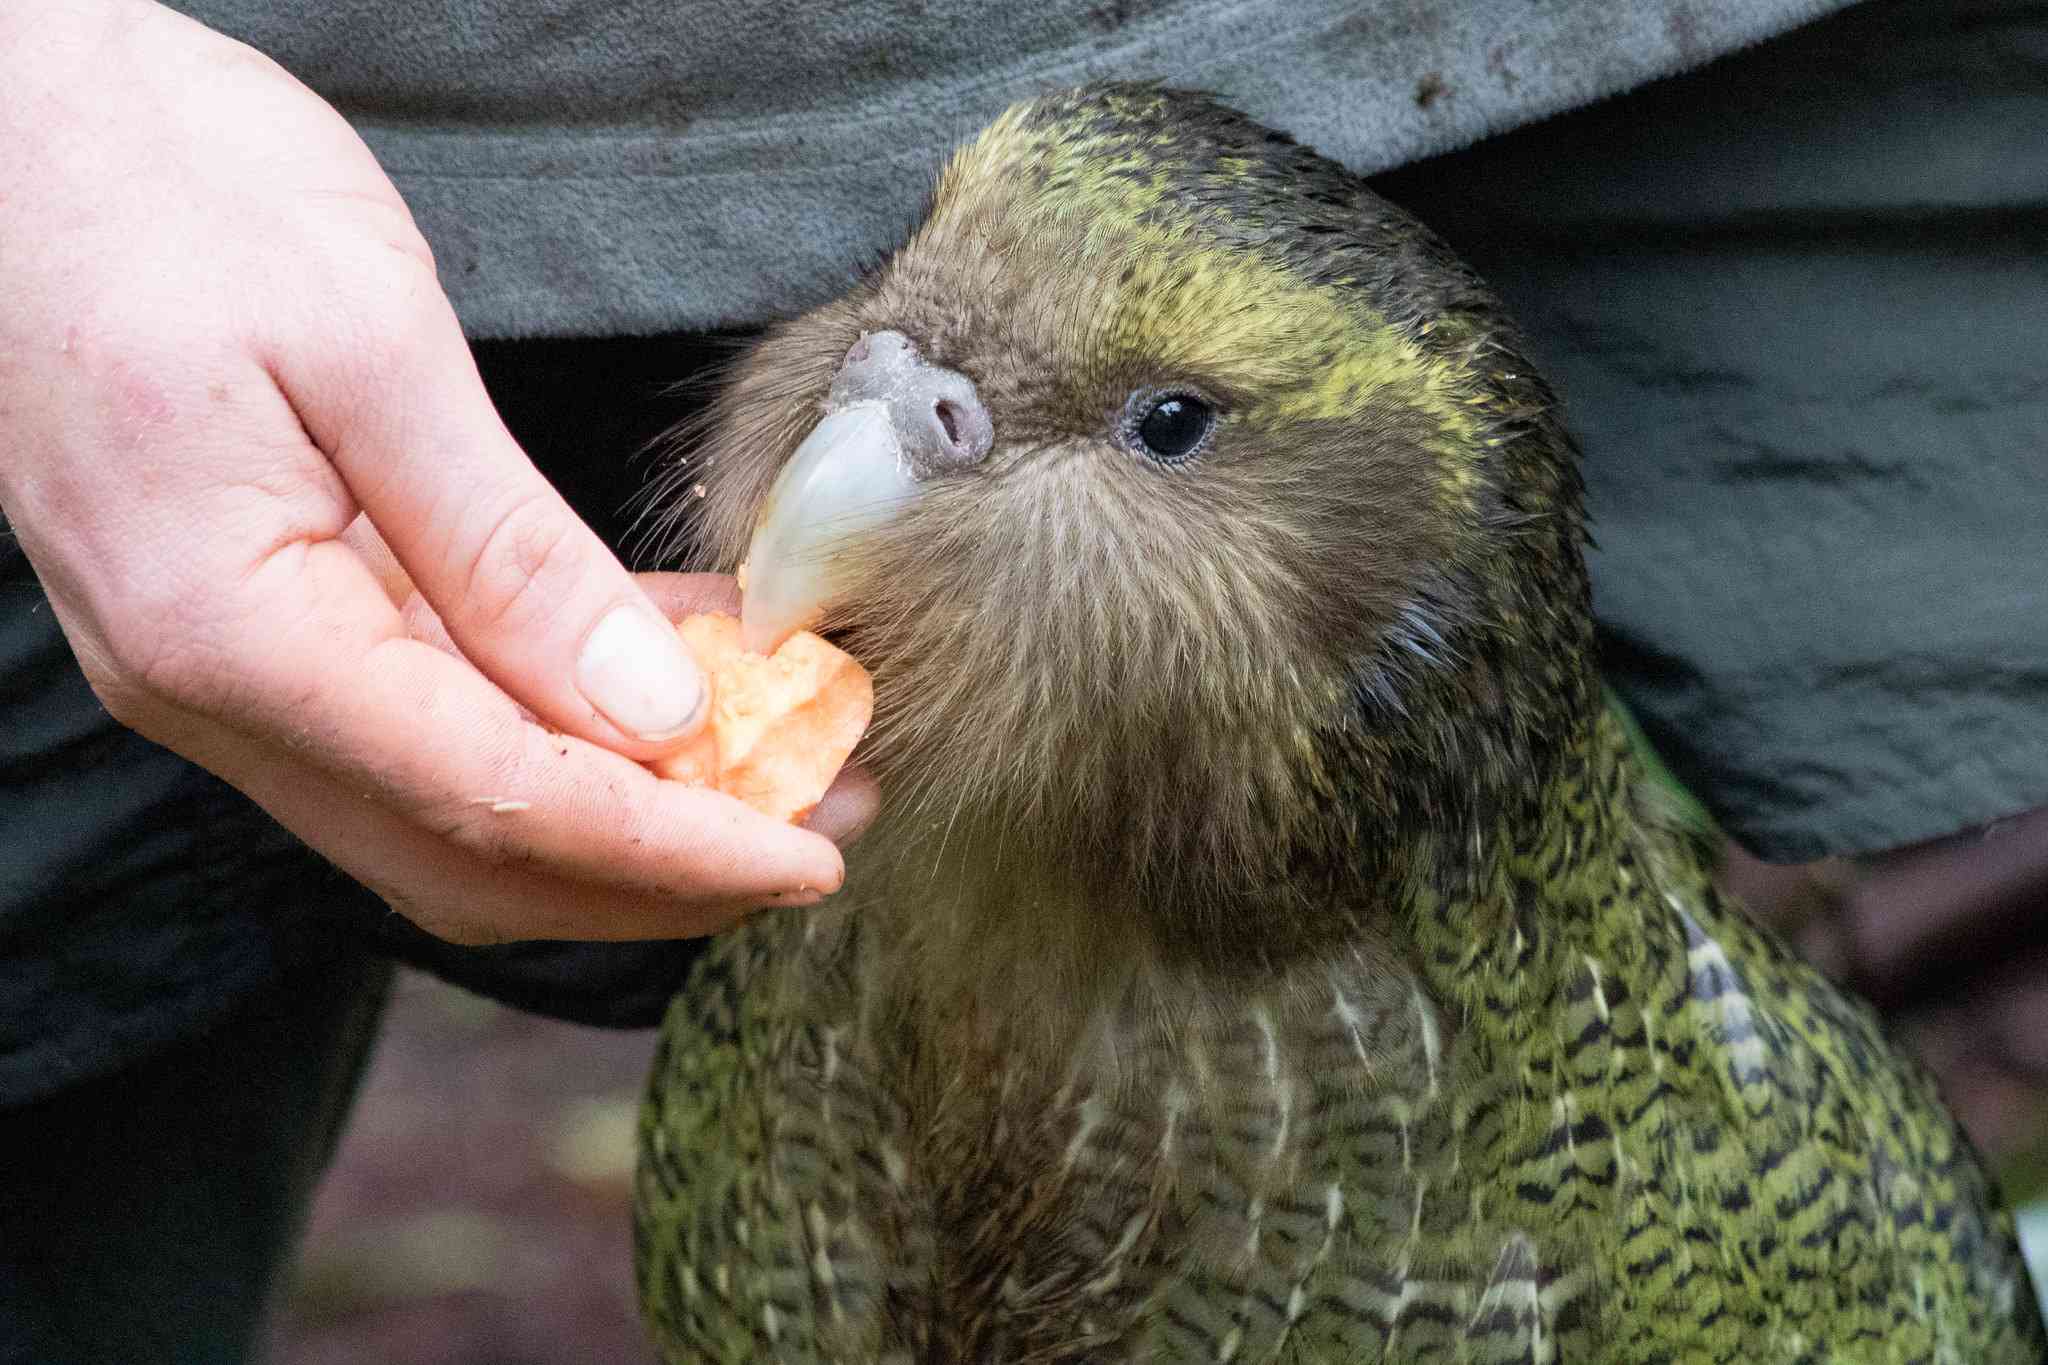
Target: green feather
(1444, 1047)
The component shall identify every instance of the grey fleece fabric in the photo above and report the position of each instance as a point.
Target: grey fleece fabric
(1797, 307)
(594, 167)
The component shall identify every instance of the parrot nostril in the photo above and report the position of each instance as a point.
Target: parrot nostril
(935, 411)
(957, 433)
(950, 421)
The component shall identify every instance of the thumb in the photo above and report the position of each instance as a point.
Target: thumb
(528, 592)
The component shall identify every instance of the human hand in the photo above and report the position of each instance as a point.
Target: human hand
(223, 340)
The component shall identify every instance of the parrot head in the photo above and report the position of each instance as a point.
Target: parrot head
(1201, 523)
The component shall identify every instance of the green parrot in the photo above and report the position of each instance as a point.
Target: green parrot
(1270, 949)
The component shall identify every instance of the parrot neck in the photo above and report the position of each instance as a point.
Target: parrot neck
(1517, 918)
(1030, 959)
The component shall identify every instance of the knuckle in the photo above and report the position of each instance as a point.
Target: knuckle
(402, 237)
(388, 269)
(389, 304)
(523, 561)
(385, 245)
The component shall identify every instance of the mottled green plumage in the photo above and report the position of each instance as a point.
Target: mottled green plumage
(1271, 951)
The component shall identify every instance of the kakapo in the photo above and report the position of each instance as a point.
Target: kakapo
(1270, 949)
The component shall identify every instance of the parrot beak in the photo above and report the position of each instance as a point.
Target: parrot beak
(848, 477)
(891, 422)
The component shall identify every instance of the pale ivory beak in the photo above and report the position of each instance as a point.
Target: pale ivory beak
(848, 477)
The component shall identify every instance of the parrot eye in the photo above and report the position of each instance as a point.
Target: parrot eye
(1171, 428)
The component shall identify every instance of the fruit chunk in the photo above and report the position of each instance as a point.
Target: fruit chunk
(781, 724)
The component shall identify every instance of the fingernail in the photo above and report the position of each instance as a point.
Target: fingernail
(634, 670)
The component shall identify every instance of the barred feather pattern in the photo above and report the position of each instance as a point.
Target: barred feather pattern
(1586, 1113)
(1267, 952)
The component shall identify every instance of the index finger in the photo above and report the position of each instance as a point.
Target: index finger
(421, 733)
(531, 595)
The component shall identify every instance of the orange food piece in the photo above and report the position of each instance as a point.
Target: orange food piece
(781, 724)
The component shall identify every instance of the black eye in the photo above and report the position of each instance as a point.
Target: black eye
(1174, 427)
